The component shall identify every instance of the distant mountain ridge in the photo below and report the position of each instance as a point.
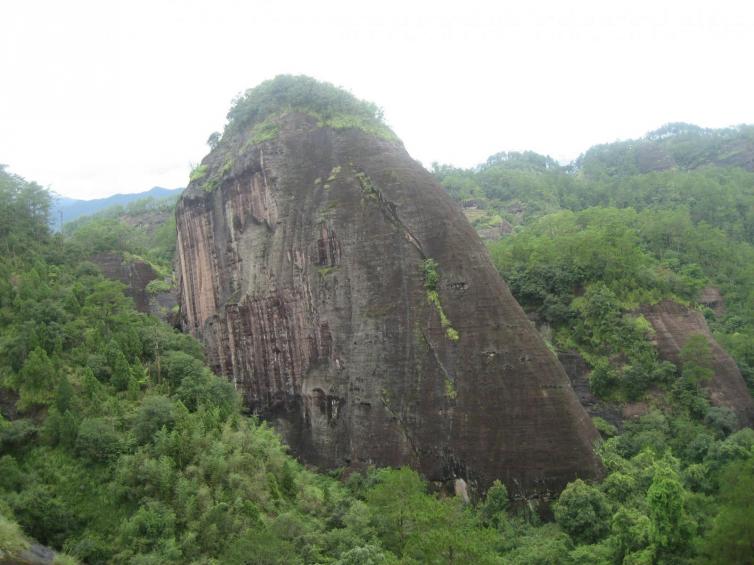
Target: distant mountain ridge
(678, 146)
(72, 208)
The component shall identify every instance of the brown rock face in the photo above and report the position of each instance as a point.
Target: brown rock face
(674, 324)
(302, 272)
(712, 299)
(136, 275)
(578, 372)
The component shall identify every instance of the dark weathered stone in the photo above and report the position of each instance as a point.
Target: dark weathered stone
(674, 324)
(8, 399)
(34, 554)
(136, 275)
(302, 274)
(711, 298)
(578, 372)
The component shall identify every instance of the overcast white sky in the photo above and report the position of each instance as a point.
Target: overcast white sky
(104, 96)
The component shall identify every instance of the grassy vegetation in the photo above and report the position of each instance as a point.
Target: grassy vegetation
(198, 172)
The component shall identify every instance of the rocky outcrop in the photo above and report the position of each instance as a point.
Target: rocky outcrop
(495, 232)
(712, 299)
(8, 399)
(578, 372)
(674, 324)
(136, 276)
(308, 271)
(34, 554)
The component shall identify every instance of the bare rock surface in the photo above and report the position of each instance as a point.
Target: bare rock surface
(712, 299)
(136, 275)
(578, 372)
(674, 324)
(34, 554)
(301, 270)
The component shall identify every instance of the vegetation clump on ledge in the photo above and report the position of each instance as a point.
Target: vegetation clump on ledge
(332, 106)
(431, 278)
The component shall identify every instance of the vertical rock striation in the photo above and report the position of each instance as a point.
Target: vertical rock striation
(304, 270)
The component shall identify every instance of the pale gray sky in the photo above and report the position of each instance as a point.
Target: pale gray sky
(98, 97)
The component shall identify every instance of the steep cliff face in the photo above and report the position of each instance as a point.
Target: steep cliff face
(343, 292)
(674, 324)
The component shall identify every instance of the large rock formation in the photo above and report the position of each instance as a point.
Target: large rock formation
(674, 324)
(343, 292)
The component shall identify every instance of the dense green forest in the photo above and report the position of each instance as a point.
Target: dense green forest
(627, 224)
(118, 444)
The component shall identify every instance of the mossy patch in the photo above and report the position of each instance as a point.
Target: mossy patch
(367, 188)
(227, 167)
(211, 184)
(198, 172)
(266, 130)
(158, 286)
(334, 173)
(431, 279)
(324, 272)
(450, 389)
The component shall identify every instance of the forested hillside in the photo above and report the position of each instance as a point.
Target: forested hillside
(584, 246)
(118, 445)
(70, 209)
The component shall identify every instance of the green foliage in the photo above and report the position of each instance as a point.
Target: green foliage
(266, 130)
(158, 286)
(198, 172)
(12, 539)
(651, 219)
(332, 106)
(144, 229)
(582, 511)
(431, 279)
(424, 528)
(450, 389)
(492, 511)
(36, 380)
(731, 537)
(214, 139)
(605, 428)
(696, 360)
(155, 413)
(98, 441)
(128, 449)
(670, 529)
(24, 209)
